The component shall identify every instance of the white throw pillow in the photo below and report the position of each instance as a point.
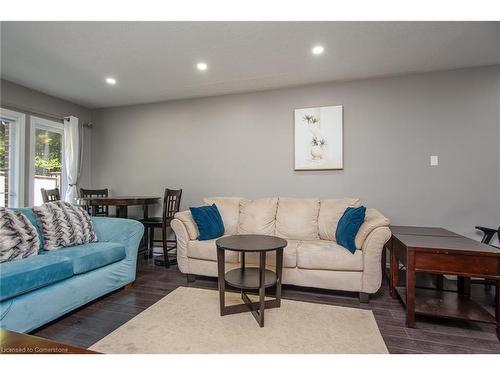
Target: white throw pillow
(18, 237)
(64, 225)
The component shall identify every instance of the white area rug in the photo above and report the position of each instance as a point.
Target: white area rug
(188, 321)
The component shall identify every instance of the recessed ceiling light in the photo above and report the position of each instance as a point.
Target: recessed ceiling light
(318, 50)
(201, 66)
(111, 81)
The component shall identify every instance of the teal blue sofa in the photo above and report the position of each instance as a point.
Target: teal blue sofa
(39, 289)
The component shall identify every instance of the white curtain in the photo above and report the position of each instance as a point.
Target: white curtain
(71, 156)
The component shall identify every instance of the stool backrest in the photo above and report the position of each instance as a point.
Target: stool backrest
(50, 195)
(95, 193)
(171, 202)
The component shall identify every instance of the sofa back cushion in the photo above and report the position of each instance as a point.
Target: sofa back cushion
(330, 212)
(229, 208)
(297, 218)
(258, 216)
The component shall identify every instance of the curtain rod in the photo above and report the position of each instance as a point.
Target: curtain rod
(40, 113)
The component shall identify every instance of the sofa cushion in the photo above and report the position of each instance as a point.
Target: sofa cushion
(229, 208)
(28, 212)
(330, 212)
(64, 225)
(373, 220)
(289, 256)
(88, 257)
(297, 218)
(207, 250)
(258, 216)
(348, 227)
(18, 236)
(208, 221)
(24, 275)
(327, 255)
(187, 219)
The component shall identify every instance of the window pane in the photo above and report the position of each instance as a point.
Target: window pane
(48, 162)
(4, 163)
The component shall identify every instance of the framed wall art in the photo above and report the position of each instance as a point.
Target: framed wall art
(319, 138)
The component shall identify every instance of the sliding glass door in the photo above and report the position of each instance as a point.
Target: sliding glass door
(47, 158)
(11, 158)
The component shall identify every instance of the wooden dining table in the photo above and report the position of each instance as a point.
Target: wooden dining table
(122, 203)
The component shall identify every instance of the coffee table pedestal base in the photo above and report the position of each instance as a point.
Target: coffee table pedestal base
(250, 278)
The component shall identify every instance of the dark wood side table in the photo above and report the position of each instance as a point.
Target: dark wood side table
(250, 278)
(444, 255)
(420, 231)
(22, 343)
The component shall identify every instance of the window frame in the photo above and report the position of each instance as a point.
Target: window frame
(53, 126)
(17, 153)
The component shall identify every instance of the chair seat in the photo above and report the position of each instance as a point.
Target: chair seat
(155, 221)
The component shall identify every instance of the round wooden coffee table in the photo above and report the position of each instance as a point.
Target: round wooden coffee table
(250, 278)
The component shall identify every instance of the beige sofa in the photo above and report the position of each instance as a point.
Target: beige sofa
(312, 257)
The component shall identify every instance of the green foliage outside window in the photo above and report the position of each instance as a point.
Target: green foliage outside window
(47, 152)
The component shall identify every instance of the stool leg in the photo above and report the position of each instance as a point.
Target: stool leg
(165, 247)
(151, 241)
(146, 244)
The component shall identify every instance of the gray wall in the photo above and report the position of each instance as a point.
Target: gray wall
(243, 145)
(14, 96)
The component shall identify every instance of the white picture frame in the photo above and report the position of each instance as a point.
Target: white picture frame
(319, 138)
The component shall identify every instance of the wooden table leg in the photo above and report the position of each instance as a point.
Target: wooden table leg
(279, 274)
(383, 260)
(497, 309)
(145, 210)
(394, 276)
(242, 267)
(439, 282)
(262, 289)
(463, 285)
(221, 280)
(410, 289)
(122, 212)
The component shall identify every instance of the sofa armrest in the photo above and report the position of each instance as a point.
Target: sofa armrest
(124, 231)
(373, 220)
(372, 256)
(182, 238)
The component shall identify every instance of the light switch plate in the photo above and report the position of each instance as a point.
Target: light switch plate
(434, 160)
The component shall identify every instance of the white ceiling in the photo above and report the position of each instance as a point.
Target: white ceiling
(155, 61)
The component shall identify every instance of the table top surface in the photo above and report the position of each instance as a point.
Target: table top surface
(21, 343)
(251, 243)
(423, 231)
(450, 243)
(125, 200)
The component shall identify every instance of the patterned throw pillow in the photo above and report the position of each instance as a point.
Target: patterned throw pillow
(64, 225)
(18, 237)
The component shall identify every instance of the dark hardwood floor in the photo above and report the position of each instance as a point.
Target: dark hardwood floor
(94, 321)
